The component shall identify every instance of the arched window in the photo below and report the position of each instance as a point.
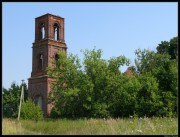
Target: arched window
(40, 63)
(42, 31)
(56, 59)
(56, 31)
(39, 101)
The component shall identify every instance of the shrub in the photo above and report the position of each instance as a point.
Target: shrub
(55, 113)
(31, 111)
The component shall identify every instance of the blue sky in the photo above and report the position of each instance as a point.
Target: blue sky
(118, 28)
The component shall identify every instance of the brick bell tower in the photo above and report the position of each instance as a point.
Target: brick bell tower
(49, 38)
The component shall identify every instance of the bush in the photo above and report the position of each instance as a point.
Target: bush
(55, 113)
(31, 111)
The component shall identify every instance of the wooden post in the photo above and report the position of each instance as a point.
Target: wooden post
(21, 98)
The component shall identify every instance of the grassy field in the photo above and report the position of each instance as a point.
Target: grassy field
(130, 126)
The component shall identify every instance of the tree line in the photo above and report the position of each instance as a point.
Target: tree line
(97, 88)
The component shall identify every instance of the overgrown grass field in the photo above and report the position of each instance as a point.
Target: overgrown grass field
(129, 126)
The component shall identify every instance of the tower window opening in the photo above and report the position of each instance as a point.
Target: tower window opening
(42, 32)
(39, 101)
(41, 62)
(56, 31)
(56, 59)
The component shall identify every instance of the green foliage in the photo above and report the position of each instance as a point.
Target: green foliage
(97, 88)
(11, 99)
(169, 47)
(163, 67)
(85, 92)
(31, 111)
(145, 60)
(148, 96)
(54, 113)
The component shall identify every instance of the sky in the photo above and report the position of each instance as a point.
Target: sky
(117, 28)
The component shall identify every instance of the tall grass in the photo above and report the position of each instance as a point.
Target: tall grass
(14, 127)
(130, 126)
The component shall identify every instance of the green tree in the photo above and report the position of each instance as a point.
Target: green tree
(123, 91)
(148, 96)
(164, 69)
(65, 93)
(167, 74)
(163, 47)
(173, 49)
(96, 70)
(102, 74)
(97, 88)
(11, 99)
(169, 47)
(161, 66)
(31, 111)
(144, 61)
(83, 92)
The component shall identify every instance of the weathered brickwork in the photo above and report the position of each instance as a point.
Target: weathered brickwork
(129, 71)
(49, 38)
